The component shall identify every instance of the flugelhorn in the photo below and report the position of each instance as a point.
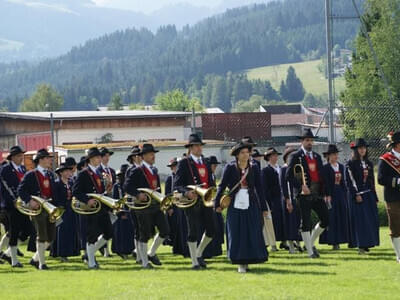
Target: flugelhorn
(164, 200)
(53, 211)
(206, 195)
(84, 209)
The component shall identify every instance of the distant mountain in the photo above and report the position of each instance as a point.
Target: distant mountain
(139, 63)
(36, 29)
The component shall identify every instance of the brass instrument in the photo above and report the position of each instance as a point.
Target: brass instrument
(165, 201)
(300, 174)
(206, 195)
(54, 212)
(84, 209)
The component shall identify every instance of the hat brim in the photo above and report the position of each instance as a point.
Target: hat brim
(109, 152)
(357, 146)
(149, 151)
(171, 165)
(59, 170)
(192, 144)
(236, 151)
(331, 152)
(13, 154)
(307, 137)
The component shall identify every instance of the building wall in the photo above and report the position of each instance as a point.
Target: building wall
(162, 157)
(278, 131)
(93, 135)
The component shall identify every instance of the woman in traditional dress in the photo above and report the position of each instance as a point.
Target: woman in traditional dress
(244, 221)
(364, 221)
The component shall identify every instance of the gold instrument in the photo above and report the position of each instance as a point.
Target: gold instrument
(299, 173)
(84, 209)
(206, 195)
(54, 212)
(165, 201)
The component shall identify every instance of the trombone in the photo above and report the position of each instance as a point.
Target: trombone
(207, 197)
(299, 172)
(54, 212)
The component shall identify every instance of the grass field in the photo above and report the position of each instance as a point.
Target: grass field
(313, 80)
(339, 274)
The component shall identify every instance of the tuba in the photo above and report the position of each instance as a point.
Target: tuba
(164, 200)
(299, 173)
(54, 212)
(206, 195)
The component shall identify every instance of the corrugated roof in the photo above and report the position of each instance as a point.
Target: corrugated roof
(293, 119)
(69, 115)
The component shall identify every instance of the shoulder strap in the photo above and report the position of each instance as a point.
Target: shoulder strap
(240, 181)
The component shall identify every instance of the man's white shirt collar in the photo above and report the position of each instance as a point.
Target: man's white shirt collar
(397, 154)
(42, 170)
(148, 166)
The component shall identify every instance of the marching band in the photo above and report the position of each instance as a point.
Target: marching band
(86, 205)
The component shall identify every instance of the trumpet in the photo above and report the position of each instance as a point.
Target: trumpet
(54, 212)
(165, 201)
(298, 170)
(84, 209)
(207, 196)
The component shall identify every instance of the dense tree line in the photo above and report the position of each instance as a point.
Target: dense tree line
(138, 64)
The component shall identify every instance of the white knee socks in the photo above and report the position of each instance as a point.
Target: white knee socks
(307, 242)
(157, 242)
(205, 240)
(317, 231)
(193, 253)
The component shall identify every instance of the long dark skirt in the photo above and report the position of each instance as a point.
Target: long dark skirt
(292, 223)
(180, 241)
(123, 237)
(338, 229)
(66, 243)
(364, 222)
(245, 240)
(278, 218)
(82, 231)
(215, 247)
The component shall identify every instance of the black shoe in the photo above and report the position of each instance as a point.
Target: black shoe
(134, 255)
(139, 262)
(44, 267)
(366, 249)
(196, 268)
(149, 266)
(313, 256)
(34, 263)
(17, 265)
(19, 253)
(283, 246)
(201, 262)
(154, 259)
(102, 251)
(84, 258)
(315, 251)
(6, 258)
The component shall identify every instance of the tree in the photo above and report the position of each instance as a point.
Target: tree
(364, 86)
(176, 100)
(315, 101)
(45, 98)
(116, 102)
(294, 87)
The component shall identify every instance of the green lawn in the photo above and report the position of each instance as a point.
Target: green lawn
(336, 275)
(313, 80)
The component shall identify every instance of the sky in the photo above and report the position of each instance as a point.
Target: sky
(148, 6)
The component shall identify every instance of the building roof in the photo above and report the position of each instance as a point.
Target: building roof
(293, 119)
(72, 115)
(283, 109)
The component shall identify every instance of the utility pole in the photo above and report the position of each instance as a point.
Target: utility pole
(52, 139)
(331, 100)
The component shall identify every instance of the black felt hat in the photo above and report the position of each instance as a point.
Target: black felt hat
(173, 162)
(332, 148)
(256, 153)
(63, 167)
(105, 151)
(135, 151)
(239, 146)
(308, 134)
(15, 150)
(269, 152)
(70, 161)
(147, 148)
(42, 153)
(213, 160)
(249, 140)
(287, 152)
(194, 139)
(358, 143)
(92, 152)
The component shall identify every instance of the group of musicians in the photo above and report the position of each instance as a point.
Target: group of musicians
(342, 196)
